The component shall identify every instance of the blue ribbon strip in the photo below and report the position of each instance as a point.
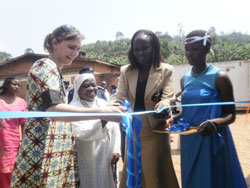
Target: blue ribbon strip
(132, 125)
(32, 114)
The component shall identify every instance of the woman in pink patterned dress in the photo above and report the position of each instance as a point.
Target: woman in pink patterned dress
(9, 128)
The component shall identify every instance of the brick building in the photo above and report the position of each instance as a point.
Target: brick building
(20, 66)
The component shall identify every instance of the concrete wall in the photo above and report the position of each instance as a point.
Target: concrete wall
(238, 71)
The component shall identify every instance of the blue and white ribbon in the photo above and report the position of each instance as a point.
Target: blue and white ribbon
(32, 114)
(130, 125)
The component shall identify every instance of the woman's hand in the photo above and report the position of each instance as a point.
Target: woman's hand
(168, 123)
(113, 109)
(115, 158)
(164, 114)
(207, 128)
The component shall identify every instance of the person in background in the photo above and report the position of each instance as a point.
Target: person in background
(208, 159)
(147, 84)
(97, 141)
(85, 69)
(47, 156)
(103, 92)
(10, 128)
(82, 55)
(113, 89)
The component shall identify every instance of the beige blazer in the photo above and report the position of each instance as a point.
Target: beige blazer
(160, 78)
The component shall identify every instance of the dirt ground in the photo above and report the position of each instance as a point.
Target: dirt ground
(241, 134)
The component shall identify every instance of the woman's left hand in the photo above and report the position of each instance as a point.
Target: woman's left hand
(168, 123)
(115, 158)
(207, 128)
(164, 114)
(113, 109)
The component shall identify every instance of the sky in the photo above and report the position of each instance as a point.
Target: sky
(25, 23)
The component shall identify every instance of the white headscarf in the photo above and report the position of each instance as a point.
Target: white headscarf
(78, 82)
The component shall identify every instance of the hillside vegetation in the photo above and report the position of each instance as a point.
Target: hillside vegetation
(225, 47)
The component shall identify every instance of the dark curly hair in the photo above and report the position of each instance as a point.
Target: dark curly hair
(155, 45)
(6, 84)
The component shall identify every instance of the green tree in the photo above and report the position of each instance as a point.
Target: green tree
(225, 47)
(4, 56)
(119, 35)
(28, 50)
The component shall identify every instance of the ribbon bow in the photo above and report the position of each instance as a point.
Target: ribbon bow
(180, 126)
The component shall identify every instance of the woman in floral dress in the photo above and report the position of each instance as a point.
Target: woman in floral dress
(47, 156)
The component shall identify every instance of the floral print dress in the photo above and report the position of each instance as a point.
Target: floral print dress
(47, 156)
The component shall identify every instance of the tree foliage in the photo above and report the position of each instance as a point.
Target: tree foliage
(119, 35)
(4, 56)
(109, 51)
(28, 50)
(225, 47)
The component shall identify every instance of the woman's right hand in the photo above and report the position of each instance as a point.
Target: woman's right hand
(168, 123)
(113, 109)
(164, 114)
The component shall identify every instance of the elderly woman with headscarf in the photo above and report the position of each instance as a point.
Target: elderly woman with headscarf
(97, 141)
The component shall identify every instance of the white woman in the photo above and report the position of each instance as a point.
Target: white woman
(97, 141)
(47, 156)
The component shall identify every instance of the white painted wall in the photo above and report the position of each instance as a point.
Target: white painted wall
(238, 71)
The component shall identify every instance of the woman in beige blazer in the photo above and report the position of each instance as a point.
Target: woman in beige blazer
(139, 83)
